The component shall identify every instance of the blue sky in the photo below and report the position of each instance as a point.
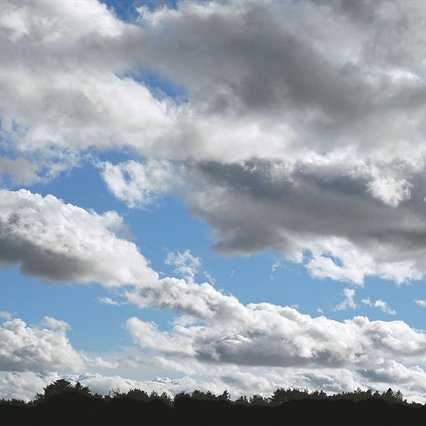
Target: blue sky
(197, 195)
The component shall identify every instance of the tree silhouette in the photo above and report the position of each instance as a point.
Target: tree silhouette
(65, 403)
(58, 387)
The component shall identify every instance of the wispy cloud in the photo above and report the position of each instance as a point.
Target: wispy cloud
(421, 303)
(6, 315)
(348, 302)
(108, 301)
(379, 304)
(185, 263)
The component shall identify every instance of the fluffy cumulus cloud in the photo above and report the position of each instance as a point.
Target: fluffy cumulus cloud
(43, 348)
(62, 242)
(271, 335)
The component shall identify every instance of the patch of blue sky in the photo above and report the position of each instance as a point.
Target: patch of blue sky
(159, 85)
(92, 327)
(400, 298)
(95, 326)
(127, 10)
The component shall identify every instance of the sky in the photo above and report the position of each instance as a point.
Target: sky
(213, 195)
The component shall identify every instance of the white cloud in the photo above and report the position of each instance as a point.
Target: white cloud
(279, 347)
(348, 302)
(265, 334)
(186, 265)
(201, 301)
(108, 301)
(411, 381)
(6, 315)
(251, 353)
(389, 190)
(24, 385)
(62, 242)
(421, 303)
(379, 304)
(383, 306)
(135, 183)
(43, 348)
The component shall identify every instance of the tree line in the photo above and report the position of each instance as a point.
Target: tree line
(63, 402)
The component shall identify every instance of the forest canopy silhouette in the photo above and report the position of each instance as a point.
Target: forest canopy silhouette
(63, 402)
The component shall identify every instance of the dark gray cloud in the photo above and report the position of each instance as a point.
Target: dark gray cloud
(316, 208)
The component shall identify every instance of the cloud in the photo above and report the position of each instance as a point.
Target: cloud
(135, 183)
(316, 213)
(421, 303)
(236, 381)
(258, 61)
(266, 335)
(108, 301)
(186, 265)
(295, 349)
(6, 315)
(62, 242)
(43, 348)
(24, 385)
(20, 170)
(252, 356)
(201, 301)
(380, 304)
(348, 302)
(311, 213)
(390, 191)
(254, 76)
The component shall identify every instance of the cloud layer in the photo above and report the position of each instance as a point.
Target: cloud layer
(316, 137)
